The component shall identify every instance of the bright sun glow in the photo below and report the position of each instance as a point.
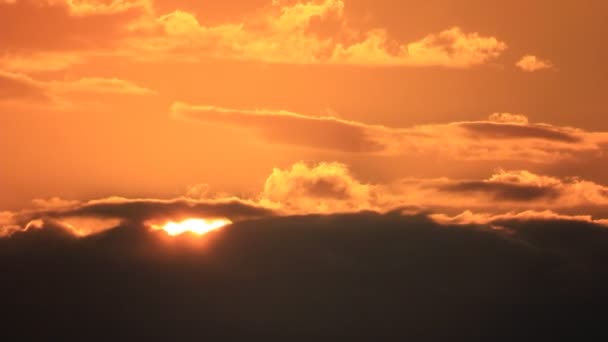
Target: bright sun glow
(196, 226)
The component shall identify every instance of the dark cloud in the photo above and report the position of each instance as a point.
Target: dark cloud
(503, 191)
(503, 136)
(510, 131)
(291, 128)
(359, 276)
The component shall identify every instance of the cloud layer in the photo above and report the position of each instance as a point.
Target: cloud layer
(312, 32)
(331, 188)
(503, 136)
(317, 277)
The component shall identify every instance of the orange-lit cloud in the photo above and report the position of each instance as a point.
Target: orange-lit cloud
(41, 61)
(503, 136)
(449, 48)
(295, 35)
(531, 63)
(326, 187)
(95, 7)
(468, 217)
(21, 89)
(523, 188)
(278, 126)
(99, 85)
(309, 32)
(85, 218)
(8, 224)
(330, 188)
(15, 86)
(32, 26)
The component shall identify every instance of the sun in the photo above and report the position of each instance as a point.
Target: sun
(196, 226)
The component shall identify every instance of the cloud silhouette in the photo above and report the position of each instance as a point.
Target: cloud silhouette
(357, 276)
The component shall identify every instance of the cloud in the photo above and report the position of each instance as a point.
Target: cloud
(92, 7)
(504, 191)
(19, 89)
(278, 126)
(326, 187)
(312, 33)
(332, 188)
(285, 278)
(531, 63)
(85, 218)
(497, 220)
(509, 118)
(533, 189)
(449, 48)
(15, 86)
(503, 136)
(98, 85)
(41, 61)
(68, 26)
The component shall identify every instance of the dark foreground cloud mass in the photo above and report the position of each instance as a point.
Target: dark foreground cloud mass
(362, 276)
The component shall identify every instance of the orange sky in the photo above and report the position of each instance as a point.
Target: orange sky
(308, 106)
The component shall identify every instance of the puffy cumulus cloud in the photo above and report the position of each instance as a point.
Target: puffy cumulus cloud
(503, 136)
(326, 187)
(531, 63)
(455, 48)
(331, 188)
(449, 48)
(309, 33)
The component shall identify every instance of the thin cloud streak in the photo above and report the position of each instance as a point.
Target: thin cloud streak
(503, 136)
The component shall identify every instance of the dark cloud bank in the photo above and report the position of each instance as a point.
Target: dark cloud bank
(362, 276)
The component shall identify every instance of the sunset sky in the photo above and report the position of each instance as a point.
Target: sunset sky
(148, 99)
(142, 112)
